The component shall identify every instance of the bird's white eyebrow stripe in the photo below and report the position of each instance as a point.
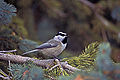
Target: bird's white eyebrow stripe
(62, 33)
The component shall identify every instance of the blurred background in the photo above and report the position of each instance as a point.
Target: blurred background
(85, 21)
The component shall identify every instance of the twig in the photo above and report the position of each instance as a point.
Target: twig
(9, 63)
(86, 2)
(53, 67)
(59, 64)
(4, 77)
(49, 77)
(8, 51)
(9, 66)
(7, 77)
(68, 71)
(70, 67)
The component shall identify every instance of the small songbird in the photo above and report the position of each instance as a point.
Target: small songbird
(53, 47)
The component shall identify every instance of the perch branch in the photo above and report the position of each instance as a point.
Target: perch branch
(44, 63)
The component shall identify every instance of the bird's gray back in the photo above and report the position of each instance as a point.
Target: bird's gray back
(53, 51)
(49, 44)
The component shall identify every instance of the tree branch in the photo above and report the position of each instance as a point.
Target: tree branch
(6, 78)
(44, 63)
(8, 51)
(5, 75)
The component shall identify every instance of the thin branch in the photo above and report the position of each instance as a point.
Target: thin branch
(70, 67)
(89, 4)
(53, 67)
(49, 77)
(60, 66)
(44, 63)
(8, 51)
(6, 78)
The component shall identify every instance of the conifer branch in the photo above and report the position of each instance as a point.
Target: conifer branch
(43, 63)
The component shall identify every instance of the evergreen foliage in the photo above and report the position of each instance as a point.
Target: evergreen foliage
(94, 62)
(106, 69)
(103, 57)
(6, 12)
(99, 66)
(26, 45)
(11, 37)
(7, 40)
(56, 72)
(85, 61)
(27, 71)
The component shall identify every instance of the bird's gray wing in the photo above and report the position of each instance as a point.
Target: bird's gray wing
(46, 45)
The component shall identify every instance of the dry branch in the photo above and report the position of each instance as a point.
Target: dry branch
(6, 77)
(44, 63)
(8, 51)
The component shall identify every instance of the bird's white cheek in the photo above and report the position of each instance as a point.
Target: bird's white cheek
(60, 38)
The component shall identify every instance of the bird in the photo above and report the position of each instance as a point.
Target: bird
(53, 47)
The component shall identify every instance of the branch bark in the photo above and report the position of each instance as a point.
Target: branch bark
(8, 51)
(44, 63)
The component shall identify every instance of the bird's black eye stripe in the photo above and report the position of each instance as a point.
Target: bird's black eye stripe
(60, 34)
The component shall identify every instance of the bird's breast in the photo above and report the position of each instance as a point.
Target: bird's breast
(52, 52)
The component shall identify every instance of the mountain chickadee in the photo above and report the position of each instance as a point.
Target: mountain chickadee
(53, 47)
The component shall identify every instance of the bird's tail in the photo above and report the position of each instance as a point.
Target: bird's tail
(30, 51)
